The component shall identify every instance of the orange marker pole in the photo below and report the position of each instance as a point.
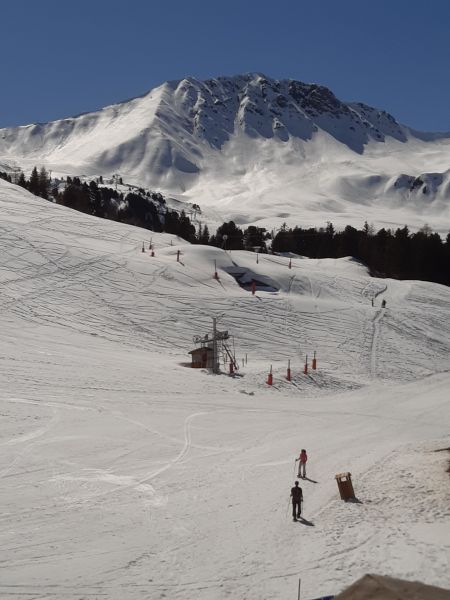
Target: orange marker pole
(288, 374)
(314, 361)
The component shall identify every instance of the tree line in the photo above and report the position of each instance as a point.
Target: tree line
(137, 207)
(398, 253)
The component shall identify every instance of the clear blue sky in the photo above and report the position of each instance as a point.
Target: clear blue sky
(60, 58)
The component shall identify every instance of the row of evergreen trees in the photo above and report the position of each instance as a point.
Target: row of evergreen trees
(399, 254)
(140, 208)
(39, 183)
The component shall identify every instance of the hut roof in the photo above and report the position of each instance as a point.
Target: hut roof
(380, 587)
(203, 349)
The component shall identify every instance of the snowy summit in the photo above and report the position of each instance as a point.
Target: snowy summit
(256, 150)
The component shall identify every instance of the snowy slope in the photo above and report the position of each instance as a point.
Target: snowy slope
(254, 149)
(126, 475)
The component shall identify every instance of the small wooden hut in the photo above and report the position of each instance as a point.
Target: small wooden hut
(202, 358)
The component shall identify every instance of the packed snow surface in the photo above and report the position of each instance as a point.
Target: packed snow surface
(256, 150)
(126, 475)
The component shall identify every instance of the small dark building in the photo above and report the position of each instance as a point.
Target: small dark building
(202, 358)
(382, 587)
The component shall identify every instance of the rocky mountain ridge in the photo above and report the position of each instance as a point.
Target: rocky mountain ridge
(250, 147)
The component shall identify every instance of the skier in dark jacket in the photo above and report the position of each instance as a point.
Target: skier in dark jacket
(297, 499)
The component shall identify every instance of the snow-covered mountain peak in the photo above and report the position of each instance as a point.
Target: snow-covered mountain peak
(255, 149)
(215, 109)
(259, 106)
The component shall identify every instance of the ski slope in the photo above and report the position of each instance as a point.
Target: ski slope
(126, 475)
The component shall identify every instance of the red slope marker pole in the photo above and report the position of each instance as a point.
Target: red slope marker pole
(305, 370)
(270, 377)
(288, 373)
(314, 362)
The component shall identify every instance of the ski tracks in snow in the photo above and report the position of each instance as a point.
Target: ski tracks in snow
(128, 482)
(30, 440)
(122, 483)
(183, 452)
(374, 343)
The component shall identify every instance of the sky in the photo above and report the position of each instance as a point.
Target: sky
(63, 58)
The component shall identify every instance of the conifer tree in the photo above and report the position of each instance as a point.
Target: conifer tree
(204, 237)
(44, 183)
(22, 181)
(33, 184)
